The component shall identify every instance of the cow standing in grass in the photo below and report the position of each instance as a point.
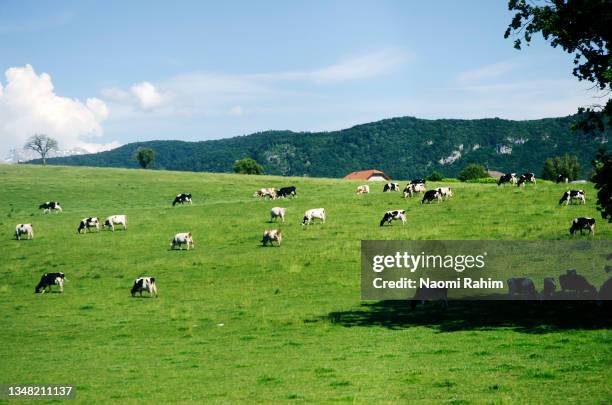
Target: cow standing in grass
(24, 229)
(286, 192)
(445, 192)
(277, 212)
(390, 187)
(573, 195)
(113, 220)
(522, 287)
(423, 294)
(182, 199)
(394, 215)
(49, 279)
(144, 284)
(180, 239)
(583, 224)
(310, 215)
(272, 235)
(526, 178)
(507, 178)
(365, 189)
(89, 223)
(266, 192)
(50, 205)
(431, 195)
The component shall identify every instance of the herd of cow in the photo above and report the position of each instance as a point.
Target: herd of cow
(414, 187)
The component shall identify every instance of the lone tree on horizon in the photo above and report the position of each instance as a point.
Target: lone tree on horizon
(41, 144)
(145, 157)
(248, 166)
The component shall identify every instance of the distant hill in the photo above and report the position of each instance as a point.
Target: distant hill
(402, 147)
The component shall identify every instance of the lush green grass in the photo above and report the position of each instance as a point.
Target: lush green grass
(235, 321)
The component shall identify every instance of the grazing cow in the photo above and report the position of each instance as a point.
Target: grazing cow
(277, 212)
(142, 284)
(50, 205)
(570, 281)
(549, 287)
(180, 239)
(431, 195)
(418, 181)
(445, 192)
(266, 192)
(521, 286)
(526, 177)
(393, 215)
(365, 189)
(571, 195)
(583, 224)
(49, 279)
(24, 229)
(272, 235)
(562, 179)
(311, 214)
(182, 199)
(391, 187)
(408, 191)
(507, 178)
(116, 220)
(87, 223)
(286, 192)
(429, 294)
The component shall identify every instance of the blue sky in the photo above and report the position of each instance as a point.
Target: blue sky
(97, 74)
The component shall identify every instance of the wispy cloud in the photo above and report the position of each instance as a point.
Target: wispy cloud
(487, 72)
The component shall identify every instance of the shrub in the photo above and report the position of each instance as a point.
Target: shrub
(567, 166)
(473, 171)
(248, 166)
(434, 176)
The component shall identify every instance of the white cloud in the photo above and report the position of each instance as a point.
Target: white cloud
(214, 94)
(147, 95)
(29, 105)
(487, 72)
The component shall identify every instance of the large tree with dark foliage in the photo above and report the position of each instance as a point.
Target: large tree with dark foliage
(248, 166)
(567, 166)
(145, 157)
(582, 28)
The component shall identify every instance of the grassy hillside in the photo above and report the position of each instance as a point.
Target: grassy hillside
(404, 147)
(235, 321)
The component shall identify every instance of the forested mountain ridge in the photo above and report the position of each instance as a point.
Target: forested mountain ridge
(402, 147)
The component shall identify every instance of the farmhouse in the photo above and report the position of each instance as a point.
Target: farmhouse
(370, 175)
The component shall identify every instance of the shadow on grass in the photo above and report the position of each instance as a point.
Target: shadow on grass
(522, 316)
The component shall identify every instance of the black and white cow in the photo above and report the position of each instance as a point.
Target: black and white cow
(391, 187)
(286, 192)
(418, 181)
(562, 179)
(113, 220)
(571, 195)
(393, 215)
(583, 224)
(413, 188)
(571, 281)
(87, 223)
(182, 199)
(445, 192)
(507, 178)
(523, 287)
(49, 279)
(423, 294)
(24, 229)
(50, 205)
(431, 195)
(526, 177)
(144, 284)
(272, 235)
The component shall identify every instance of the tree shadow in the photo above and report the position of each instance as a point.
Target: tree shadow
(523, 316)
